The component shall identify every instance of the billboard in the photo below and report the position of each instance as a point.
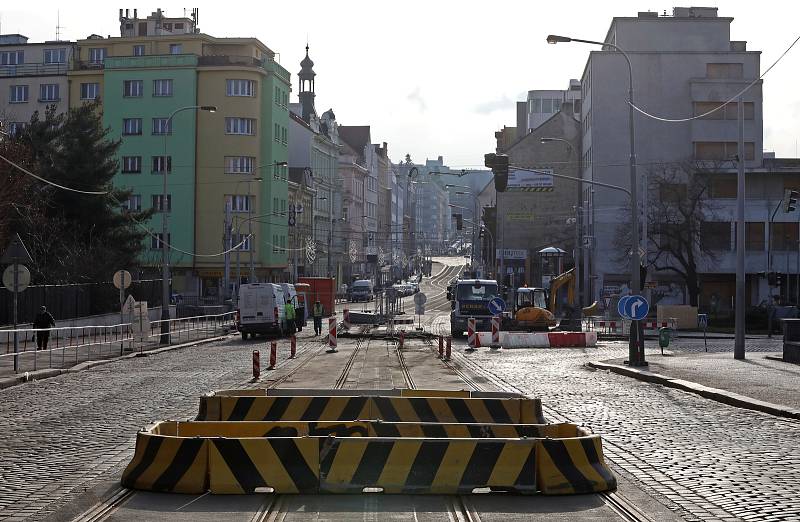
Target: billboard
(530, 179)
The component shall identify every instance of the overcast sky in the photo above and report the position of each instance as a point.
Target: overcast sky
(439, 77)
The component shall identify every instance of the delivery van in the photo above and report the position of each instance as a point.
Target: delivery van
(261, 309)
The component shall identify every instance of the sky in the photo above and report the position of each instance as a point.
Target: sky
(439, 77)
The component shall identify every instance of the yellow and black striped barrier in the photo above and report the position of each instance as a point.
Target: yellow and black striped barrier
(572, 466)
(168, 464)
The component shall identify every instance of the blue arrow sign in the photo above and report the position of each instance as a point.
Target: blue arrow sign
(621, 306)
(636, 308)
(497, 306)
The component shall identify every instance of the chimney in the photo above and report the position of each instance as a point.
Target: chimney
(120, 14)
(134, 13)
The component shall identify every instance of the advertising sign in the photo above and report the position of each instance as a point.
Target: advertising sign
(519, 179)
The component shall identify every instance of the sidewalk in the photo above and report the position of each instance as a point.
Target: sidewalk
(758, 382)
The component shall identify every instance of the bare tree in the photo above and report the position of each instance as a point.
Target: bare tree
(679, 210)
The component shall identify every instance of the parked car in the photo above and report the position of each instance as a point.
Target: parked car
(361, 290)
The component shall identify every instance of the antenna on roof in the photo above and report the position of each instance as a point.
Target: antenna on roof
(58, 26)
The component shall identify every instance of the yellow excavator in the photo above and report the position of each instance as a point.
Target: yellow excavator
(535, 309)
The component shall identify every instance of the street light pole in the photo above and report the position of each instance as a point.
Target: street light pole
(164, 243)
(636, 340)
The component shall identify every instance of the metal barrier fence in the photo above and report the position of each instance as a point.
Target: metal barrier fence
(622, 326)
(71, 345)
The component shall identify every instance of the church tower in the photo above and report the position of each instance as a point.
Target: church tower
(306, 94)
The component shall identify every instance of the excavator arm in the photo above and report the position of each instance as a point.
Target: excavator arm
(567, 278)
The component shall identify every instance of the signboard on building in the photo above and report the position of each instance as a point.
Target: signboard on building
(509, 253)
(519, 216)
(530, 180)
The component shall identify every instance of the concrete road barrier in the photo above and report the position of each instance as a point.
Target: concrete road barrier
(572, 466)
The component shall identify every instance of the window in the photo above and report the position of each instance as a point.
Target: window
(243, 239)
(90, 91)
(158, 202)
(277, 132)
(284, 135)
(16, 127)
(240, 88)
(162, 87)
(161, 126)
(167, 26)
(239, 164)
(753, 236)
(19, 94)
(547, 106)
(277, 95)
(723, 187)
(784, 236)
(134, 203)
(715, 235)
(345, 214)
(12, 57)
(97, 54)
(535, 105)
(160, 162)
(132, 126)
(275, 247)
(724, 70)
(240, 126)
(48, 92)
(178, 26)
(132, 88)
(156, 241)
(175, 48)
(138, 50)
(238, 203)
(728, 112)
(131, 164)
(55, 55)
(722, 150)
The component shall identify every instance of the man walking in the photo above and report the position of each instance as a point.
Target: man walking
(290, 321)
(317, 312)
(43, 321)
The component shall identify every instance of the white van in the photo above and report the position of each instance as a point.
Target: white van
(261, 309)
(361, 290)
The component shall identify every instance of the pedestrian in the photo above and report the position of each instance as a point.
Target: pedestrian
(43, 322)
(290, 323)
(317, 312)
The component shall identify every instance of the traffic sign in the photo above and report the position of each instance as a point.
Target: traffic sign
(606, 302)
(122, 279)
(419, 309)
(497, 306)
(23, 278)
(635, 308)
(16, 252)
(621, 305)
(129, 305)
(420, 299)
(702, 321)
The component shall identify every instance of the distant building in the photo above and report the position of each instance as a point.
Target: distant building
(542, 104)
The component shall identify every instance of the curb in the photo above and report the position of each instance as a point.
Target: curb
(715, 394)
(39, 375)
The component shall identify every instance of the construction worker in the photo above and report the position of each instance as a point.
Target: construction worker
(317, 312)
(290, 320)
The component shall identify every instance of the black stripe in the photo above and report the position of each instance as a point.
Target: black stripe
(372, 463)
(148, 457)
(426, 464)
(560, 456)
(529, 430)
(203, 413)
(327, 453)
(353, 408)
(423, 410)
(480, 466)
(385, 429)
(278, 408)
(292, 459)
(386, 410)
(526, 480)
(537, 408)
(498, 411)
(241, 408)
(241, 465)
(315, 408)
(183, 460)
(594, 460)
(479, 431)
(460, 410)
(436, 431)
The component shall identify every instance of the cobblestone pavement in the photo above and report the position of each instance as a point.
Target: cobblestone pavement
(61, 434)
(706, 460)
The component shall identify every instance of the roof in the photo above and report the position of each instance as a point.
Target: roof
(356, 136)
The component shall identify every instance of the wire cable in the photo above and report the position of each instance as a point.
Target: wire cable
(29, 173)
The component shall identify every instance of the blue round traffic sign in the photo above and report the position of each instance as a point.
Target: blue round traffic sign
(497, 306)
(636, 308)
(621, 306)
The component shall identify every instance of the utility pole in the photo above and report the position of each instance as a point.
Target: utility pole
(227, 242)
(738, 347)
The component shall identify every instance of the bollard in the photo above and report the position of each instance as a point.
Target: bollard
(273, 355)
(447, 353)
(346, 318)
(402, 339)
(495, 331)
(441, 347)
(256, 364)
(471, 336)
(293, 349)
(332, 334)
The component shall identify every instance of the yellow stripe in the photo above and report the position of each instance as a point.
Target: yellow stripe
(548, 479)
(450, 471)
(297, 407)
(194, 480)
(509, 463)
(348, 455)
(479, 411)
(164, 457)
(578, 456)
(401, 458)
(269, 465)
(404, 409)
(221, 480)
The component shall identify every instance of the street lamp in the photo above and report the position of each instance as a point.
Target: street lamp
(636, 342)
(164, 245)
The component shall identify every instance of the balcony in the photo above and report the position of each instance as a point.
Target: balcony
(239, 61)
(33, 69)
(151, 62)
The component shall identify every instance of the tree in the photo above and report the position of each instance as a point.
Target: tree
(679, 233)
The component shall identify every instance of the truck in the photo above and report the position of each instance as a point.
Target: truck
(470, 298)
(261, 310)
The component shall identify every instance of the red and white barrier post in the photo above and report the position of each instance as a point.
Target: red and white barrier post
(472, 337)
(441, 347)
(447, 353)
(495, 331)
(273, 355)
(293, 348)
(346, 318)
(256, 364)
(332, 334)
